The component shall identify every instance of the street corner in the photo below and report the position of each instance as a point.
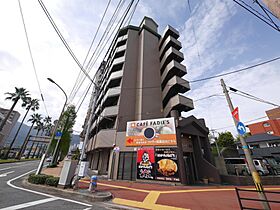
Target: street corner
(80, 194)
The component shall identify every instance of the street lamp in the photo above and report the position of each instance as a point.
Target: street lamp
(54, 132)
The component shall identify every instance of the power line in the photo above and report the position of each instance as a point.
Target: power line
(256, 99)
(236, 71)
(230, 126)
(108, 27)
(62, 39)
(94, 37)
(120, 23)
(31, 56)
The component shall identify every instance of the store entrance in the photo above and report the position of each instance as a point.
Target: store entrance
(190, 168)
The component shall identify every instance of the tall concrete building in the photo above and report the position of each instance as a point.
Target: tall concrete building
(9, 124)
(140, 80)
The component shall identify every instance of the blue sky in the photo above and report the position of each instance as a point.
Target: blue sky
(227, 38)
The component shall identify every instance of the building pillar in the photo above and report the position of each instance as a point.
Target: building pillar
(182, 167)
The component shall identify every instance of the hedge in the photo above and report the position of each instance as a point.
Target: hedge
(52, 181)
(38, 179)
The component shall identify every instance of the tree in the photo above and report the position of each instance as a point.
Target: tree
(65, 125)
(39, 126)
(47, 123)
(34, 119)
(29, 103)
(246, 135)
(225, 139)
(20, 93)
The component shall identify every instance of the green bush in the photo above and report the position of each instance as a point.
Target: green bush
(52, 181)
(38, 179)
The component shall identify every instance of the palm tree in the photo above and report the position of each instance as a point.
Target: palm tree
(29, 103)
(34, 119)
(21, 93)
(47, 120)
(39, 126)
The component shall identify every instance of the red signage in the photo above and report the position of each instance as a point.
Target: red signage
(235, 114)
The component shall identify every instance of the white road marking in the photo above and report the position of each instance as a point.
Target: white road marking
(5, 174)
(39, 193)
(32, 203)
(2, 169)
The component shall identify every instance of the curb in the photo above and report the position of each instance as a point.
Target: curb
(82, 196)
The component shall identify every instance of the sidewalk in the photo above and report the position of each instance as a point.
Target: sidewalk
(157, 196)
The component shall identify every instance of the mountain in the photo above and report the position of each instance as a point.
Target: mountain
(21, 135)
(23, 132)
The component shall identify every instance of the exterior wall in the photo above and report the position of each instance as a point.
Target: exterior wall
(9, 124)
(273, 114)
(149, 88)
(274, 126)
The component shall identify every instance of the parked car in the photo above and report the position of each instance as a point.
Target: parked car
(274, 166)
(49, 159)
(239, 166)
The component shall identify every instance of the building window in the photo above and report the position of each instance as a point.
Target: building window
(270, 132)
(266, 124)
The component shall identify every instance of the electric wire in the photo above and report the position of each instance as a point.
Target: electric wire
(111, 22)
(230, 126)
(94, 37)
(194, 34)
(62, 39)
(31, 56)
(120, 23)
(265, 20)
(236, 71)
(256, 99)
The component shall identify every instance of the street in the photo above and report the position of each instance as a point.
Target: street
(13, 196)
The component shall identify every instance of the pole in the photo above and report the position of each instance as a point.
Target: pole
(40, 166)
(91, 113)
(252, 168)
(218, 150)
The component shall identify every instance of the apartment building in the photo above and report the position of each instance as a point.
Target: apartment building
(9, 124)
(270, 126)
(142, 80)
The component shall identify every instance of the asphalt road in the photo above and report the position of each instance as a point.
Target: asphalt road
(14, 196)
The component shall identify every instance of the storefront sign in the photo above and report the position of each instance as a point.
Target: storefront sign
(166, 164)
(145, 163)
(156, 132)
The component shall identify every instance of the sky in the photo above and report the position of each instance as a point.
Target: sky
(217, 36)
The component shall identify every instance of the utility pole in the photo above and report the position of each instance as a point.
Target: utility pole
(252, 168)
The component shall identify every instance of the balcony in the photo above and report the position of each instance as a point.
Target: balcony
(170, 54)
(173, 87)
(178, 102)
(109, 112)
(169, 42)
(172, 69)
(105, 138)
(169, 31)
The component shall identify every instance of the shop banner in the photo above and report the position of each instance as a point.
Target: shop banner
(146, 163)
(166, 164)
(156, 132)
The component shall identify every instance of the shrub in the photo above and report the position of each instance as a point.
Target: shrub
(38, 179)
(52, 181)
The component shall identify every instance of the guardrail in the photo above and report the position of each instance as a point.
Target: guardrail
(240, 199)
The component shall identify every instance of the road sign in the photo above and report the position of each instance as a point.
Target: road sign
(241, 128)
(235, 114)
(58, 133)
